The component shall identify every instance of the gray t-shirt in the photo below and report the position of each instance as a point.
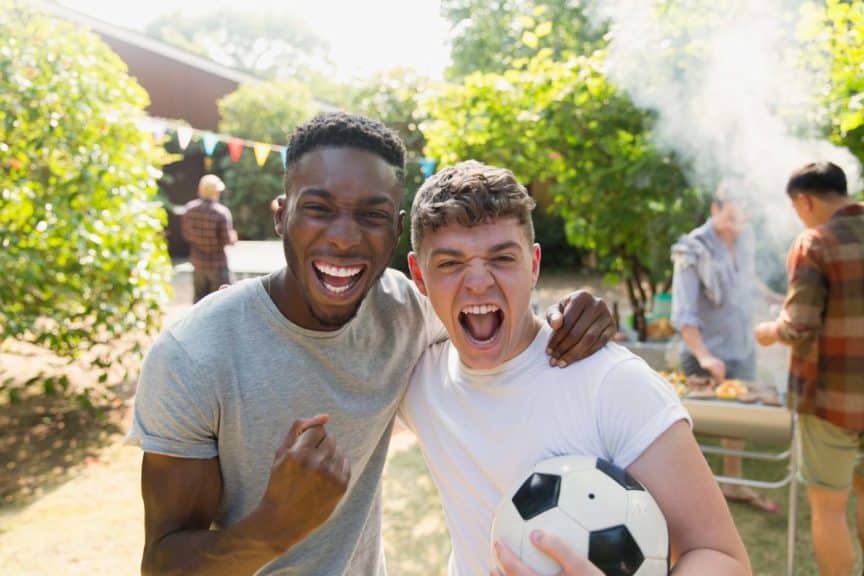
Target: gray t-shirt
(726, 327)
(231, 377)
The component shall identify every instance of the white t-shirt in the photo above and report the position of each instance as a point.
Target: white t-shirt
(481, 430)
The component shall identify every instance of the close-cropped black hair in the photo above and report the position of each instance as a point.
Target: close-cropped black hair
(342, 130)
(818, 179)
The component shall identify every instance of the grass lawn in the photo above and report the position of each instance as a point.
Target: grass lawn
(416, 540)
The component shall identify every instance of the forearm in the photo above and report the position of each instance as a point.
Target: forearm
(706, 562)
(693, 339)
(237, 550)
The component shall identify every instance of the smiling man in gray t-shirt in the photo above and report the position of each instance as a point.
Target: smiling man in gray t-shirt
(265, 414)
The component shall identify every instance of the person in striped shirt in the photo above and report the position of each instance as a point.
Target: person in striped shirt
(823, 323)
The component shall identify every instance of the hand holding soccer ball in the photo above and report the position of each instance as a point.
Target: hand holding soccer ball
(595, 520)
(571, 563)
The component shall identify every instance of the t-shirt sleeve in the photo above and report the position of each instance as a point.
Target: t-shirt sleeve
(175, 410)
(634, 407)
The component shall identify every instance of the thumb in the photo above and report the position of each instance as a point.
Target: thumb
(554, 316)
(563, 555)
(297, 428)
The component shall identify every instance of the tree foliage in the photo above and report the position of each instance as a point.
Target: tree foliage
(81, 247)
(838, 27)
(266, 44)
(586, 151)
(495, 36)
(266, 112)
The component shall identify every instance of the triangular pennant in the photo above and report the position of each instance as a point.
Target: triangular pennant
(184, 136)
(158, 128)
(427, 166)
(235, 148)
(208, 163)
(210, 140)
(283, 153)
(262, 150)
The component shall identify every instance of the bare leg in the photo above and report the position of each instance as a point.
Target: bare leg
(732, 467)
(858, 483)
(832, 542)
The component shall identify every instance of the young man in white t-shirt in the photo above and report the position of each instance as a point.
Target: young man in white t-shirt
(486, 405)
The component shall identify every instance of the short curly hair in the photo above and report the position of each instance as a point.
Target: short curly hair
(469, 193)
(342, 130)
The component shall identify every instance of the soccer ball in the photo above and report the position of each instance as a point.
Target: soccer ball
(596, 507)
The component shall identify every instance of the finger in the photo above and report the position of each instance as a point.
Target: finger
(511, 565)
(297, 428)
(562, 554)
(572, 309)
(310, 438)
(554, 317)
(595, 339)
(577, 334)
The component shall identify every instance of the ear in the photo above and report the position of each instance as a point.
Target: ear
(279, 215)
(535, 264)
(416, 273)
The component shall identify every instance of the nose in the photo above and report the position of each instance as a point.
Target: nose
(478, 278)
(343, 232)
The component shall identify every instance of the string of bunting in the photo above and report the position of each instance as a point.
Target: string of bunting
(209, 140)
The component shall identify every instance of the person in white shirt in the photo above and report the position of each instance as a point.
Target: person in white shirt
(486, 405)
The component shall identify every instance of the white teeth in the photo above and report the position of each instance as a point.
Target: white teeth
(338, 271)
(336, 289)
(482, 309)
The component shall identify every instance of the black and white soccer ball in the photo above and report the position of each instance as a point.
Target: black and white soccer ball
(593, 505)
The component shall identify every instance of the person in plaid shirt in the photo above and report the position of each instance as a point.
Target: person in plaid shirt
(207, 226)
(823, 322)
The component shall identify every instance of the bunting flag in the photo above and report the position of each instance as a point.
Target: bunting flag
(158, 127)
(262, 151)
(184, 136)
(210, 140)
(427, 166)
(235, 148)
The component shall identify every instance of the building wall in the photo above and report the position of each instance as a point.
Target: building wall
(177, 90)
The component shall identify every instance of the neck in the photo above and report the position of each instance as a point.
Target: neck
(825, 209)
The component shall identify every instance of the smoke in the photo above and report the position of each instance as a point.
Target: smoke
(731, 96)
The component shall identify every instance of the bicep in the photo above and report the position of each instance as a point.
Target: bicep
(179, 494)
(676, 474)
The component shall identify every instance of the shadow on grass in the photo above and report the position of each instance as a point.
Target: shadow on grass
(46, 438)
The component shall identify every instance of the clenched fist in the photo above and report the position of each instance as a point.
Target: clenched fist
(308, 478)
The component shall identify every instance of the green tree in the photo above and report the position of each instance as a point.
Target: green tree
(81, 248)
(393, 97)
(494, 36)
(266, 44)
(563, 128)
(267, 112)
(838, 28)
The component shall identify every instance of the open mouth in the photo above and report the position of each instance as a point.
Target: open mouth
(338, 280)
(481, 323)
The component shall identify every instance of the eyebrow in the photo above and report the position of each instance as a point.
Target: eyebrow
(456, 253)
(325, 195)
